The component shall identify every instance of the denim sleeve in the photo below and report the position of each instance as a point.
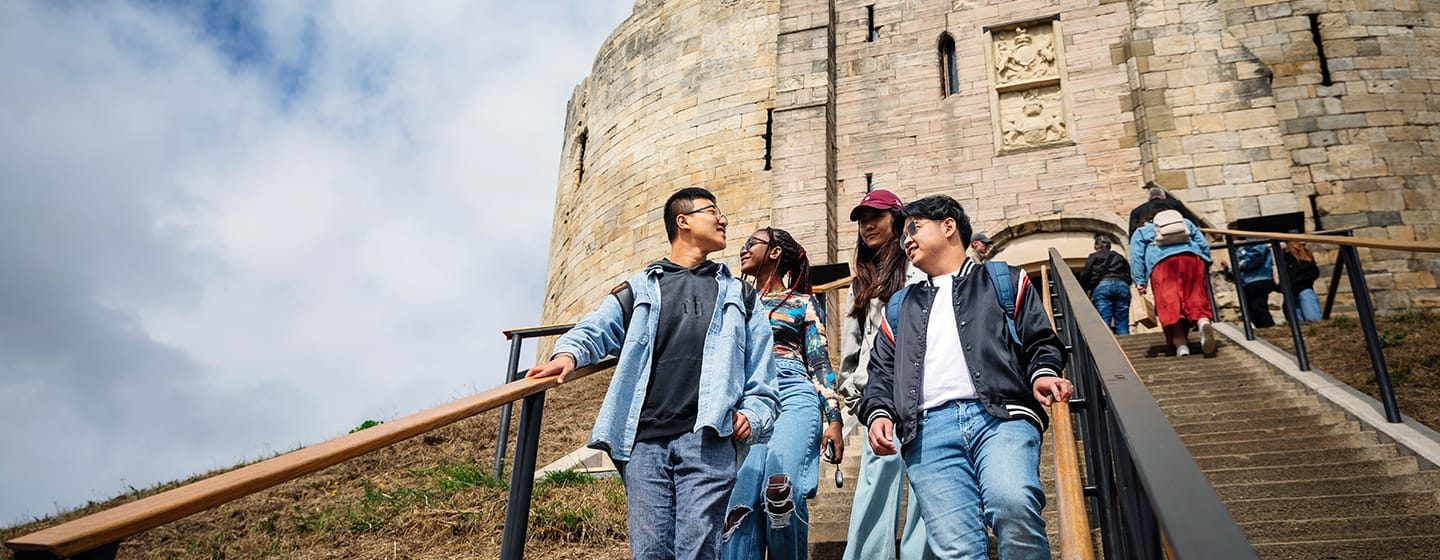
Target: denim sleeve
(1138, 245)
(761, 401)
(1198, 239)
(879, 399)
(598, 335)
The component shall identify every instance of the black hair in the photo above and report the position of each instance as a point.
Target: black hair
(793, 263)
(679, 203)
(1102, 239)
(938, 207)
(878, 272)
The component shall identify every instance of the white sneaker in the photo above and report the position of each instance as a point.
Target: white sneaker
(1207, 337)
(1182, 351)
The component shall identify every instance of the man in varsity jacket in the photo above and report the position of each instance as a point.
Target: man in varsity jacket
(957, 389)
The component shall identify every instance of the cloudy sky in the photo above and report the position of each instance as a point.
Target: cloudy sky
(229, 229)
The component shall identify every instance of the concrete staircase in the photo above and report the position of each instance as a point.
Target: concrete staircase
(1302, 479)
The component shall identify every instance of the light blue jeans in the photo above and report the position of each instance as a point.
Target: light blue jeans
(794, 454)
(1309, 307)
(677, 489)
(1112, 299)
(876, 511)
(971, 470)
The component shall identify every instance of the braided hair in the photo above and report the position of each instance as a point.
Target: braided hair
(793, 263)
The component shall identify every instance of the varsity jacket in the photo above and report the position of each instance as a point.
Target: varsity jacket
(1001, 370)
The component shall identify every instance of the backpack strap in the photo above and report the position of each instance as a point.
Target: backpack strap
(1004, 291)
(892, 312)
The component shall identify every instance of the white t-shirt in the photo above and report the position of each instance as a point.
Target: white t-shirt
(947, 375)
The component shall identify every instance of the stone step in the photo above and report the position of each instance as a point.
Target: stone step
(1416, 482)
(1328, 416)
(1320, 471)
(1219, 377)
(1304, 457)
(1329, 429)
(1384, 548)
(1252, 414)
(1307, 444)
(1364, 527)
(1228, 390)
(1258, 402)
(1195, 365)
(1270, 395)
(1325, 507)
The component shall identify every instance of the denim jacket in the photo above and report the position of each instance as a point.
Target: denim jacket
(737, 374)
(1145, 253)
(1254, 263)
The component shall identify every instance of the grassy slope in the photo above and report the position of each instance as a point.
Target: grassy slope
(430, 497)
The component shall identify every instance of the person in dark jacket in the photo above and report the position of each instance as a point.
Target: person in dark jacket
(1158, 200)
(1303, 274)
(1107, 276)
(959, 398)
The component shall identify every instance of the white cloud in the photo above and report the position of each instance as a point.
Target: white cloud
(222, 241)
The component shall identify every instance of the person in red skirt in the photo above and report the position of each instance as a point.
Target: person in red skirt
(1173, 268)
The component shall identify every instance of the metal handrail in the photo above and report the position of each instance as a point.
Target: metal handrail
(517, 338)
(98, 535)
(1151, 497)
(1347, 259)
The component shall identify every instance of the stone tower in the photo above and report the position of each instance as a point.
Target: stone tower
(1044, 118)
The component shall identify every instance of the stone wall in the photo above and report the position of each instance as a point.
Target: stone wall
(678, 97)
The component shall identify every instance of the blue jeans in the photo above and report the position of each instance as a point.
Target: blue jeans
(876, 511)
(1309, 307)
(971, 470)
(1112, 299)
(676, 489)
(794, 454)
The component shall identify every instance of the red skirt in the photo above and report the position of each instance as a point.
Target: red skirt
(1181, 293)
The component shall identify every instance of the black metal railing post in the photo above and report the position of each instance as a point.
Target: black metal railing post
(1290, 306)
(502, 436)
(1361, 291)
(1334, 281)
(522, 478)
(1239, 286)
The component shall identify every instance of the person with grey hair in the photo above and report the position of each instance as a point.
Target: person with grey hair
(1158, 199)
(1107, 276)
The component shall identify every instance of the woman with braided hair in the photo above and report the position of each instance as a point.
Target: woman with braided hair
(776, 478)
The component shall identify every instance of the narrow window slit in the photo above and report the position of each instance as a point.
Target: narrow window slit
(1320, 49)
(872, 33)
(769, 135)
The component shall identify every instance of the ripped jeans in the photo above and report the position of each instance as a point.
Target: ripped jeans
(787, 468)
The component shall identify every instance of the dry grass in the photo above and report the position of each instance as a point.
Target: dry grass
(429, 497)
(1411, 355)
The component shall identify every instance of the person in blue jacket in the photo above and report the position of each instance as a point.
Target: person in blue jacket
(1176, 274)
(696, 374)
(1257, 278)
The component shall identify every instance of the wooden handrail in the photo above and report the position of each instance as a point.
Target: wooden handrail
(1370, 242)
(115, 524)
(1075, 540)
(840, 283)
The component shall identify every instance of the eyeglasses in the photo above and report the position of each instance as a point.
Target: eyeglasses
(910, 229)
(751, 242)
(712, 209)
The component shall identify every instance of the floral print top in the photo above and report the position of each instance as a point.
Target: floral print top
(798, 323)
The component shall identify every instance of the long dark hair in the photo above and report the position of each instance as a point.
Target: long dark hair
(793, 263)
(878, 273)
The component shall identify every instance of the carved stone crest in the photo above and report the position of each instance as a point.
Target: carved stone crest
(1022, 56)
(1033, 117)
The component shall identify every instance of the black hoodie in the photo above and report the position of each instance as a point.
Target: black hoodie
(687, 305)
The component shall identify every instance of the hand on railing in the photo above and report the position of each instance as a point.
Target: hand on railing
(882, 434)
(562, 364)
(1049, 390)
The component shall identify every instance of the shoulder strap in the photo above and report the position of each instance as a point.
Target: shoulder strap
(892, 311)
(626, 297)
(1004, 291)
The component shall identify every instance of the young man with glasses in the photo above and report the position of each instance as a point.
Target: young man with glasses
(696, 371)
(959, 394)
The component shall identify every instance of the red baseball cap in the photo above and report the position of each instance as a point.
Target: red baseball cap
(879, 199)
